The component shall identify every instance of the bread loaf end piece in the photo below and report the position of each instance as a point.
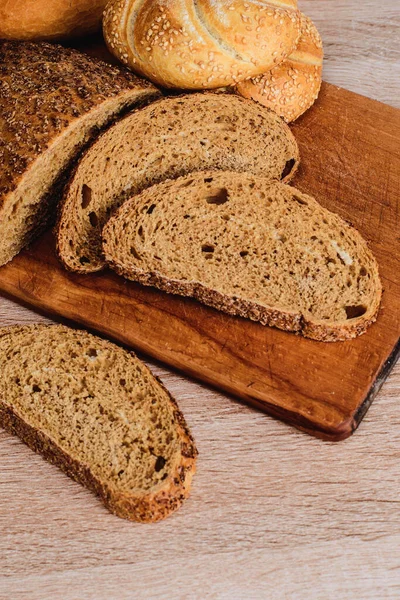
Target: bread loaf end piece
(249, 247)
(96, 411)
(53, 101)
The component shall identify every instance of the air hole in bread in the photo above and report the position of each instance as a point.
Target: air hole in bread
(160, 463)
(36, 388)
(299, 200)
(94, 221)
(207, 248)
(208, 179)
(92, 352)
(84, 260)
(218, 196)
(122, 382)
(150, 209)
(86, 195)
(134, 253)
(140, 233)
(353, 312)
(288, 168)
(363, 272)
(244, 253)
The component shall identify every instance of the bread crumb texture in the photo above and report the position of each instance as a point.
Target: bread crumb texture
(96, 411)
(249, 247)
(167, 139)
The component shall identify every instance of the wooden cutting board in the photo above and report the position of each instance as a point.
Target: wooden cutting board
(351, 162)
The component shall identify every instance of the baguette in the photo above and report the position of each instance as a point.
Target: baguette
(249, 247)
(96, 411)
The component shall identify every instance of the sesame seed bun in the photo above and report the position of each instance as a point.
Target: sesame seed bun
(204, 44)
(291, 87)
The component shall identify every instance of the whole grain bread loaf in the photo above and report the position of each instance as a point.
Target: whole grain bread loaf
(53, 100)
(169, 138)
(96, 411)
(251, 248)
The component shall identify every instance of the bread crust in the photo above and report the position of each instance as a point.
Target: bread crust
(146, 508)
(201, 44)
(292, 322)
(291, 87)
(49, 19)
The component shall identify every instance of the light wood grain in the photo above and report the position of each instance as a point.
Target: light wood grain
(274, 513)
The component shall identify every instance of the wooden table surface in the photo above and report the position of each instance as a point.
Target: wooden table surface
(273, 513)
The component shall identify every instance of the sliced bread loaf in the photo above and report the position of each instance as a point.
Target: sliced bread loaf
(172, 137)
(96, 411)
(248, 247)
(53, 100)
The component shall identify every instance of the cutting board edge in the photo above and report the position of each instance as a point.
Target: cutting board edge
(336, 433)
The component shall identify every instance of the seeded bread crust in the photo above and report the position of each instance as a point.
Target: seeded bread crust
(151, 507)
(53, 101)
(288, 321)
(291, 87)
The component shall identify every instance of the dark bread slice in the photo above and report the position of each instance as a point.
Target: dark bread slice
(96, 411)
(251, 248)
(172, 137)
(53, 100)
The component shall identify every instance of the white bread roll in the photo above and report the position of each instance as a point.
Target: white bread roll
(49, 19)
(291, 87)
(201, 44)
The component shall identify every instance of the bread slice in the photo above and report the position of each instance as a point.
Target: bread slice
(172, 137)
(53, 100)
(96, 411)
(251, 248)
